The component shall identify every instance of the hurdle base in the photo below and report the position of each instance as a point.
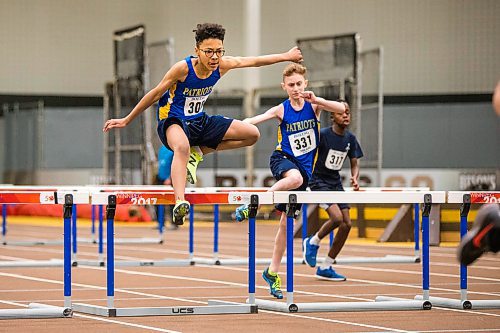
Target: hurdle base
(143, 240)
(37, 311)
(33, 243)
(213, 307)
(391, 259)
(378, 305)
(139, 263)
(462, 305)
(242, 261)
(32, 263)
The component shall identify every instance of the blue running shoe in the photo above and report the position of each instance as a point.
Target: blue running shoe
(274, 282)
(241, 213)
(309, 252)
(329, 274)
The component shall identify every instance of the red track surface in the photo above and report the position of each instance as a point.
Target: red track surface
(194, 285)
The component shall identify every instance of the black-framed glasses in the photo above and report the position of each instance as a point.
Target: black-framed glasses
(209, 52)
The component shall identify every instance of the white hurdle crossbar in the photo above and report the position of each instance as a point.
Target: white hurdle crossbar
(466, 199)
(392, 259)
(213, 306)
(381, 303)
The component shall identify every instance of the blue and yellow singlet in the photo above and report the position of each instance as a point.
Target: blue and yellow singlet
(298, 135)
(186, 99)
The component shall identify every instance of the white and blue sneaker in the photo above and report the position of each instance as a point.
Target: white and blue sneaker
(329, 274)
(309, 252)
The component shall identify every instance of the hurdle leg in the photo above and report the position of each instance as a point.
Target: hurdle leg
(416, 230)
(252, 213)
(110, 248)
(4, 224)
(191, 234)
(216, 234)
(304, 221)
(425, 246)
(161, 222)
(92, 226)
(291, 208)
(464, 212)
(67, 212)
(74, 235)
(101, 241)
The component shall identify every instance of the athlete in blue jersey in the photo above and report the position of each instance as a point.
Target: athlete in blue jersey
(336, 144)
(182, 121)
(292, 162)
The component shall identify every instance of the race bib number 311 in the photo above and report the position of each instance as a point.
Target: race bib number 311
(302, 142)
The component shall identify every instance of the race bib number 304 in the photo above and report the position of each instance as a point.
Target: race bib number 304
(194, 105)
(302, 142)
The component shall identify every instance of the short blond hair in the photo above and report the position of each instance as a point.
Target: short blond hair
(294, 69)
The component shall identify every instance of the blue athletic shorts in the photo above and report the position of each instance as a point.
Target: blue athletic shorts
(280, 163)
(317, 184)
(204, 130)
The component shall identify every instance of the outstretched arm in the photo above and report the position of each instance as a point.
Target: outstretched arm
(173, 75)
(354, 174)
(274, 112)
(229, 62)
(323, 104)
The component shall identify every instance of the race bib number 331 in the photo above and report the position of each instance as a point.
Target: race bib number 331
(302, 142)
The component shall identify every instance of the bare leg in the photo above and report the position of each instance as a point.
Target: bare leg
(179, 144)
(341, 236)
(335, 219)
(279, 245)
(292, 179)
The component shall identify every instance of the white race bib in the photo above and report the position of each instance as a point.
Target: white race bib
(335, 159)
(194, 105)
(302, 142)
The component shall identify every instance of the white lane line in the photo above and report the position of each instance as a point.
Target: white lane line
(151, 328)
(163, 297)
(386, 329)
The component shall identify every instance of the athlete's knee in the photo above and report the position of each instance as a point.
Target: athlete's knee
(253, 134)
(296, 180)
(346, 225)
(181, 149)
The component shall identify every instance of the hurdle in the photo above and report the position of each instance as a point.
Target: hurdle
(215, 260)
(392, 259)
(466, 199)
(381, 303)
(15, 188)
(37, 310)
(155, 198)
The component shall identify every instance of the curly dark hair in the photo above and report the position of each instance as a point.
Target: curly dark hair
(208, 30)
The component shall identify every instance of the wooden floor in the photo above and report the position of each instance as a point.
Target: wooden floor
(194, 285)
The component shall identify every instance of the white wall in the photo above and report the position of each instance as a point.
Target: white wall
(64, 47)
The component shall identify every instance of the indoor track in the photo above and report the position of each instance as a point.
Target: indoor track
(195, 285)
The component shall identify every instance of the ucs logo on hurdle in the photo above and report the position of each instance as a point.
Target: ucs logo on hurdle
(183, 310)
